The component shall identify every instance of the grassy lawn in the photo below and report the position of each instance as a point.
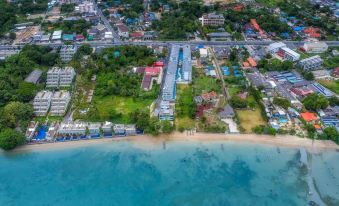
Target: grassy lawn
(330, 84)
(206, 84)
(233, 90)
(249, 119)
(50, 119)
(118, 109)
(184, 105)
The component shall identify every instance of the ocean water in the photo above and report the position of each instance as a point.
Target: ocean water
(175, 173)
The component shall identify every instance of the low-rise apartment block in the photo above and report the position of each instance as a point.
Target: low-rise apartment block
(59, 103)
(42, 102)
(311, 63)
(212, 19)
(67, 52)
(57, 77)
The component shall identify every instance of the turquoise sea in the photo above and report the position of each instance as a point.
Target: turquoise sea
(171, 174)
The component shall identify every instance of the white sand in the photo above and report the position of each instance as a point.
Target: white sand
(146, 140)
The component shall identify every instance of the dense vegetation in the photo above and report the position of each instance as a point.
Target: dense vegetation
(314, 102)
(15, 112)
(181, 20)
(10, 13)
(15, 69)
(69, 27)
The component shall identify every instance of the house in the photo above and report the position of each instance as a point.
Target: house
(94, 130)
(209, 97)
(52, 130)
(107, 129)
(166, 111)
(34, 76)
(203, 53)
(309, 116)
(212, 19)
(72, 129)
(31, 129)
(119, 130)
(123, 30)
(311, 63)
(130, 129)
(56, 35)
(335, 72)
(227, 112)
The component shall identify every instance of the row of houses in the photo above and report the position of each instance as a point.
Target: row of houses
(77, 130)
(56, 103)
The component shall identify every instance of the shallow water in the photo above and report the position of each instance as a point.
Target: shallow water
(185, 174)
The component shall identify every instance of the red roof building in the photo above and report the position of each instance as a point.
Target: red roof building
(209, 96)
(309, 116)
(79, 37)
(302, 92)
(152, 71)
(252, 62)
(137, 35)
(335, 72)
(158, 64)
(201, 108)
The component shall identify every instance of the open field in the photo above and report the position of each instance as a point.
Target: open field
(206, 84)
(184, 106)
(118, 108)
(330, 84)
(249, 119)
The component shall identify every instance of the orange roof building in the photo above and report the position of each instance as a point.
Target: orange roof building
(252, 62)
(309, 116)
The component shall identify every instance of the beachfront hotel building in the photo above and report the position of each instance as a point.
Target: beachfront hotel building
(42, 102)
(57, 77)
(59, 103)
(212, 19)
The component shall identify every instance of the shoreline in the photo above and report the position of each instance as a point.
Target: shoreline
(147, 140)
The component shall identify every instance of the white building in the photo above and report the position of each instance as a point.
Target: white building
(72, 128)
(203, 53)
(289, 54)
(57, 77)
(315, 47)
(59, 103)
(108, 35)
(57, 35)
(311, 63)
(212, 19)
(67, 52)
(123, 31)
(42, 102)
(275, 47)
(85, 7)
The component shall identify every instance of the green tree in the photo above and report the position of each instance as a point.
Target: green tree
(10, 138)
(282, 102)
(332, 134)
(167, 127)
(314, 102)
(237, 102)
(15, 113)
(26, 91)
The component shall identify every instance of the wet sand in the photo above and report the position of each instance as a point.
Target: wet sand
(146, 140)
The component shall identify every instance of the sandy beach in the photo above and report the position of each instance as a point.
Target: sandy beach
(146, 140)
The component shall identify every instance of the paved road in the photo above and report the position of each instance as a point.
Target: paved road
(103, 44)
(106, 22)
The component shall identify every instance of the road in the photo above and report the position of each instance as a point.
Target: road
(219, 74)
(103, 44)
(106, 23)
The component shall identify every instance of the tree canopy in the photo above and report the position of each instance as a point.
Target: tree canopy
(314, 102)
(10, 138)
